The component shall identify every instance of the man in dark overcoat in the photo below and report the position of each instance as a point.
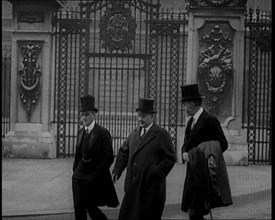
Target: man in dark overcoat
(92, 182)
(149, 155)
(201, 127)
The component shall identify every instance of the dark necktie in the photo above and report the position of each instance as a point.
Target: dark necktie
(144, 132)
(189, 124)
(86, 133)
(85, 145)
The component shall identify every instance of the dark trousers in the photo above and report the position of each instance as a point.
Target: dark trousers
(83, 202)
(195, 215)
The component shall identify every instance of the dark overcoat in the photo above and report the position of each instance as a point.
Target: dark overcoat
(207, 128)
(221, 177)
(148, 161)
(96, 173)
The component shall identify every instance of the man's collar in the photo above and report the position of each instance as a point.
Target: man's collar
(149, 126)
(91, 126)
(197, 114)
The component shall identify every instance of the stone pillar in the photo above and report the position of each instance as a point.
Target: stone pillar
(215, 60)
(32, 81)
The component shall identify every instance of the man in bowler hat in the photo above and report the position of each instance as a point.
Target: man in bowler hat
(148, 154)
(202, 128)
(92, 182)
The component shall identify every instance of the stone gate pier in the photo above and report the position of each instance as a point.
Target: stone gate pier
(31, 134)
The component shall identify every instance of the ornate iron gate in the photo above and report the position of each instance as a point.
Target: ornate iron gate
(257, 111)
(118, 51)
(6, 83)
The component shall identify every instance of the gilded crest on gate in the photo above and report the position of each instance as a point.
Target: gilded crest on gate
(117, 28)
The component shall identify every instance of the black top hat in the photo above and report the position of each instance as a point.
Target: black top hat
(87, 103)
(190, 92)
(146, 106)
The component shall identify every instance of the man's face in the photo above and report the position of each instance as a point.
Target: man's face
(145, 119)
(88, 117)
(191, 108)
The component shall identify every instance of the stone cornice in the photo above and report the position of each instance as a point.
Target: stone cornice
(216, 3)
(58, 4)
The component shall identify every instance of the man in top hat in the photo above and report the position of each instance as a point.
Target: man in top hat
(92, 182)
(202, 128)
(148, 154)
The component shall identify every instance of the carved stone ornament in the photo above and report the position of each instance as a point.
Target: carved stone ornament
(117, 28)
(217, 3)
(215, 68)
(29, 75)
(31, 16)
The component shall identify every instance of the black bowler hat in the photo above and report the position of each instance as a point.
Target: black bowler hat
(146, 105)
(190, 92)
(87, 103)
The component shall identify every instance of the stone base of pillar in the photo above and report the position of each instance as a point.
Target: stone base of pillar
(29, 143)
(237, 152)
(235, 155)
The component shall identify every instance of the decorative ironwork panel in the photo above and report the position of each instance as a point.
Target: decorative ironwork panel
(174, 76)
(257, 117)
(6, 88)
(84, 49)
(71, 74)
(117, 28)
(252, 98)
(168, 38)
(29, 75)
(61, 85)
(153, 50)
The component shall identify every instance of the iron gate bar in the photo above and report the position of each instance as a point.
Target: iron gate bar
(6, 82)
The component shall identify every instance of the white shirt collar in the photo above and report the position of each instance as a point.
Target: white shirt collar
(90, 127)
(148, 127)
(197, 115)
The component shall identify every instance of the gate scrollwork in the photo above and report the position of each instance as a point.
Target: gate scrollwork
(117, 28)
(29, 75)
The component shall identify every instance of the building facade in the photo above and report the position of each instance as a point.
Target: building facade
(160, 49)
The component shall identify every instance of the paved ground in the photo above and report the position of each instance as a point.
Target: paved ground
(43, 187)
(256, 206)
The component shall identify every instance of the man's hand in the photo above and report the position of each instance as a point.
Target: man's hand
(185, 157)
(114, 177)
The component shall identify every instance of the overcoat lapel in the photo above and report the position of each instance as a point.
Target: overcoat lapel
(136, 139)
(80, 136)
(151, 134)
(202, 119)
(93, 136)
